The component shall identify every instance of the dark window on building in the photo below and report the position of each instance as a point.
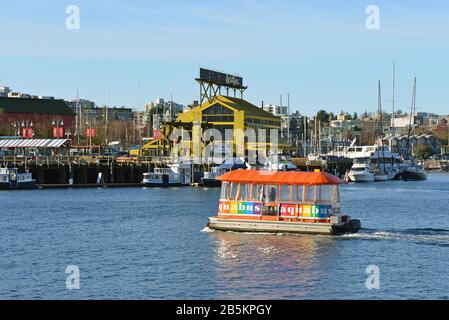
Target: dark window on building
(217, 109)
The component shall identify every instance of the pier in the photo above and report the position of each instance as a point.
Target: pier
(107, 171)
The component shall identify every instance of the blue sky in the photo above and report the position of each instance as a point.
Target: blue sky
(318, 51)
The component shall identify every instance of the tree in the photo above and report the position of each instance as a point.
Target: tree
(323, 117)
(355, 116)
(423, 152)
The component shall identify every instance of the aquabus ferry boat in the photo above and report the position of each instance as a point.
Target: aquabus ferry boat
(281, 202)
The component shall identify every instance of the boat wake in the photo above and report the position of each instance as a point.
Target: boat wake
(425, 236)
(207, 230)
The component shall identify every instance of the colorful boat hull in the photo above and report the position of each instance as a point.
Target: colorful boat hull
(244, 225)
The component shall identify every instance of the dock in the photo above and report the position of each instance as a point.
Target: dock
(53, 172)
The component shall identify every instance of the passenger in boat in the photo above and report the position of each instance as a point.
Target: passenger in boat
(272, 198)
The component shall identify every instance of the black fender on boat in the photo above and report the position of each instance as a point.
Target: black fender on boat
(353, 226)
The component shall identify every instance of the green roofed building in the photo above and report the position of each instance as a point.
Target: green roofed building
(38, 113)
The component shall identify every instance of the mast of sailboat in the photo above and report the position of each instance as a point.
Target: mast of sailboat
(413, 115)
(393, 129)
(106, 116)
(409, 147)
(78, 117)
(381, 127)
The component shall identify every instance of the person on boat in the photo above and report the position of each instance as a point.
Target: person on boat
(272, 198)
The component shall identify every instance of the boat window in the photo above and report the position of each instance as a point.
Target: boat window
(233, 192)
(285, 193)
(225, 190)
(323, 193)
(245, 192)
(258, 192)
(334, 194)
(310, 193)
(296, 193)
(271, 193)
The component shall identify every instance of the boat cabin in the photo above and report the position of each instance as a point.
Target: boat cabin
(290, 196)
(161, 176)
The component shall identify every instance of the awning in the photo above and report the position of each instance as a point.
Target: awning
(279, 177)
(34, 143)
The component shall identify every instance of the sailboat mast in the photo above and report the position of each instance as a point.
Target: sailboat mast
(413, 116)
(393, 130)
(381, 127)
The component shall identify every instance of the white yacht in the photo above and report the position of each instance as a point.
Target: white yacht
(10, 179)
(361, 171)
(381, 159)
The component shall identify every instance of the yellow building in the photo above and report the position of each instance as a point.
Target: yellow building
(222, 113)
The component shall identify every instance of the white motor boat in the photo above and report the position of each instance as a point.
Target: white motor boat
(380, 175)
(161, 177)
(360, 172)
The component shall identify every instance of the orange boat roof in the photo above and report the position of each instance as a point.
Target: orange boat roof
(280, 177)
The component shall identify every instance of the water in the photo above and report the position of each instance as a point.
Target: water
(153, 244)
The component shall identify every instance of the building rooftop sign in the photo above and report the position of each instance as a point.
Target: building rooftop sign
(212, 82)
(220, 78)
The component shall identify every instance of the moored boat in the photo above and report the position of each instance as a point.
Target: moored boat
(360, 171)
(10, 179)
(278, 202)
(413, 173)
(210, 178)
(161, 177)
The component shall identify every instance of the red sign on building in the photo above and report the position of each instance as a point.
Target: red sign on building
(58, 132)
(90, 132)
(157, 134)
(27, 133)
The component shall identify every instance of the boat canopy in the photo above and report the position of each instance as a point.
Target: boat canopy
(270, 177)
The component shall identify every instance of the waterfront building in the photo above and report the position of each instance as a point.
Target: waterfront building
(224, 112)
(276, 110)
(342, 132)
(419, 141)
(36, 115)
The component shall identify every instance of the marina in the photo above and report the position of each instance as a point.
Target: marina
(224, 156)
(157, 251)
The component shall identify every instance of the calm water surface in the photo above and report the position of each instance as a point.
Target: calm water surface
(153, 244)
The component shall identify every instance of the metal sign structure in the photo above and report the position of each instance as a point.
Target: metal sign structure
(212, 82)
